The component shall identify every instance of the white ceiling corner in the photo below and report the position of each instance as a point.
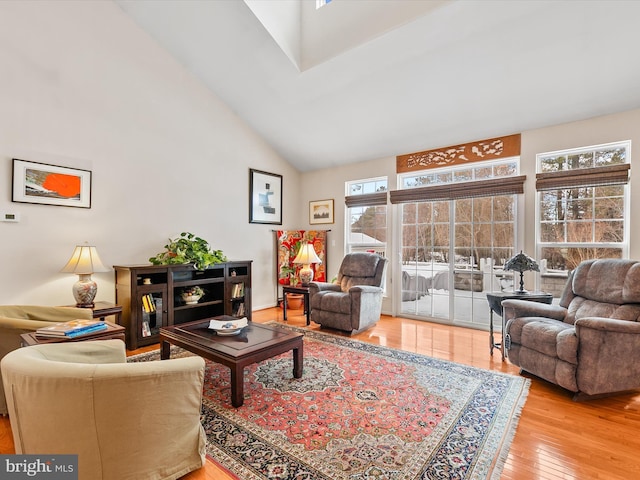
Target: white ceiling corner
(310, 35)
(366, 79)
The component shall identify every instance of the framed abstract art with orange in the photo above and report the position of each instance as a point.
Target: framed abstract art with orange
(46, 184)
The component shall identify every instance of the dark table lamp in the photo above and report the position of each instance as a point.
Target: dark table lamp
(521, 263)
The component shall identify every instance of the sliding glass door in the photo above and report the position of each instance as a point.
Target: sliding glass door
(426, 251)
(453, 251)
(484, 240)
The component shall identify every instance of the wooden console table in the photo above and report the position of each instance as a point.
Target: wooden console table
(106, 309)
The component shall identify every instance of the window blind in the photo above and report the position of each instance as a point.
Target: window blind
(584, 177)
(454, 191)
(366, 200)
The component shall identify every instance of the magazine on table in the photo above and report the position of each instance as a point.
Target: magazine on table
(72, 328)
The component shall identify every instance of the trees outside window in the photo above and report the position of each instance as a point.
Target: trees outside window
(444, 242)
(367, 215)
(585, 216)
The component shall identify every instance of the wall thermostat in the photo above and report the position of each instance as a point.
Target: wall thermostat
(10, 217)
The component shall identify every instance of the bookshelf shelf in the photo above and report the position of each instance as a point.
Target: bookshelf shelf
(197, 305)
(150, 296)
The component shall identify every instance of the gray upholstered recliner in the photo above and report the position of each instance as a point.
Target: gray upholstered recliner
(590, 342)
(355, 301)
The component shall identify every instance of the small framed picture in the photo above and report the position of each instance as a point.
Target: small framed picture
(265, 197)
(321, 211)
(35, 182)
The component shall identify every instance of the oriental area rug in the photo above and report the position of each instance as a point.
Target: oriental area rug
(360, 412)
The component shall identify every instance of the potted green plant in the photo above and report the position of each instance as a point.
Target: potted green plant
(188, 248)
(287, 273)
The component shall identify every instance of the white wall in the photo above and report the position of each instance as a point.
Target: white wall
(82, 86)
(329, 183)
(595, 131)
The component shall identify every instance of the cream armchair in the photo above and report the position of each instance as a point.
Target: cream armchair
(123, 420)
(18, 319)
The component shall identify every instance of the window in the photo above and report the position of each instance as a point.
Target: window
(367, 215)
(484, 211)
(582, 205)
(458, 229)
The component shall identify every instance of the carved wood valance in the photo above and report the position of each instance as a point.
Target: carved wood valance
(491, 149)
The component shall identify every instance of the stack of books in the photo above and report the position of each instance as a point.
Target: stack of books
(148, 303)
(71, 329)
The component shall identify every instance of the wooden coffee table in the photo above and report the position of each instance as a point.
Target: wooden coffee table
(254, 344)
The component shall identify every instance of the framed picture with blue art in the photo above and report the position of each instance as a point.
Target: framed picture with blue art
(265, 197)
(46, 184)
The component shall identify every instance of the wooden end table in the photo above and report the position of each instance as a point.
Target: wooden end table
(300, 289)
(255, 343)
(105, 309)
(112, 332)
(495, 305)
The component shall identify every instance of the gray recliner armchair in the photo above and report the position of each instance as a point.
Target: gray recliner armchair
(590, 342)
(353, 303)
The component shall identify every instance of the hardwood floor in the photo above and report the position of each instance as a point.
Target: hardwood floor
(556, 437)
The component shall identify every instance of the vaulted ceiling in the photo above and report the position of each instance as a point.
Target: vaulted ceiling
(366, 79)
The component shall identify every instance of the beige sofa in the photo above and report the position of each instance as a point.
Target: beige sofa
(590, 342)
(125, 421)
(18, 319)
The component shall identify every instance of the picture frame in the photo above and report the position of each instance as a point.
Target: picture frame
(321, 211)
(265, 197)
(45, 184)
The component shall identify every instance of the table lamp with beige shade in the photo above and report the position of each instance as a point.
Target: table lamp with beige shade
(83, 262)
(306, 256)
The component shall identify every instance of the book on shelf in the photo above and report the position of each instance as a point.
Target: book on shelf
(148, 303)
(239, 310)
(146, 329)
(72, 328)
(238, 290)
